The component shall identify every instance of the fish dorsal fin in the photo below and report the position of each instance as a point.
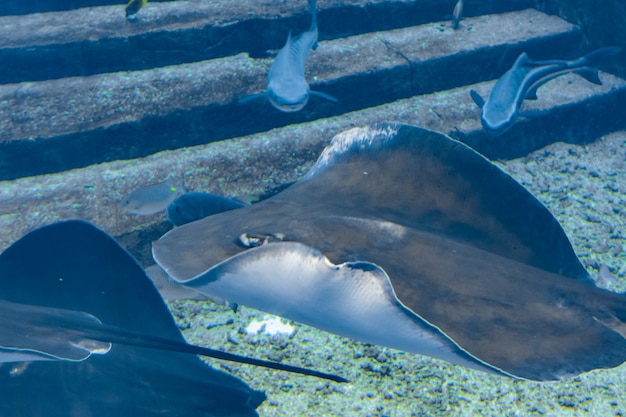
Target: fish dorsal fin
(480, 102)
(522, 60)
(589, 74)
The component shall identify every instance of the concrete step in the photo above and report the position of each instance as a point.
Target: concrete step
(128, 115)
(143, 126)
(21, 7)
(99, 39)
(262, 163)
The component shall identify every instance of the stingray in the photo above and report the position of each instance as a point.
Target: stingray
(402, 237)
(84, 332)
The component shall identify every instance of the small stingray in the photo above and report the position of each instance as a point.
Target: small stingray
(98, 339)
(194, 206)
(403, 237)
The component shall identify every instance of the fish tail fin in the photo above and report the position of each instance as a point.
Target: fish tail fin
(590, 74)
(594, 58)
(313, 11)
(480, 102)
(602, 53)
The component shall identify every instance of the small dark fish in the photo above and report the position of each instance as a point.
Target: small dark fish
(152, 198)
(457, 14)
(134, 6)
(287, 88)
(194, 206)
(521, 82)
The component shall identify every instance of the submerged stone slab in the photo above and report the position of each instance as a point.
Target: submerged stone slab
(100, 39)
(265, 162)
(132, 114)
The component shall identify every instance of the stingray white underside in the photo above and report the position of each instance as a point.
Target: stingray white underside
(353, 299)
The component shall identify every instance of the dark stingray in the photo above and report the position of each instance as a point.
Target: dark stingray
(97, 338)
(194, 206)
(403, 237)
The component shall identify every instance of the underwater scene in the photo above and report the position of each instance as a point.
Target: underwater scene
(383, 208)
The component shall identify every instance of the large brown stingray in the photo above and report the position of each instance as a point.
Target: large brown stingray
(403, 237)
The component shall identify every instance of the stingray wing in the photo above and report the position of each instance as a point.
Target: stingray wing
(466, 249)
(74, 266)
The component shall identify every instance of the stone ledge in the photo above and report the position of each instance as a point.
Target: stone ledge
(100, 39)
(133, 114)
(259, 163)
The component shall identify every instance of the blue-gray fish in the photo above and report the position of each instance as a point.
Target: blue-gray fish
(287, 88)
(194, 206)
(521, 82)
(153, 198)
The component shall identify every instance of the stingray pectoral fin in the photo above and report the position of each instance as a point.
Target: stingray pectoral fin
(324, 95)
(354, 299)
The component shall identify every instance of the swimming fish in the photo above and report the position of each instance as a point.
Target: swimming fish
(152, 198)
(521, 82)
(457, 14)
(403, 237)
(287, 88)
(134, 6)
(194, 206)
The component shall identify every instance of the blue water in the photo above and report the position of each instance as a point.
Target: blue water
(94, 106)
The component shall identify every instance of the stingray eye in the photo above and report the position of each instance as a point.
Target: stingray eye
(252, 240)
(249, 240)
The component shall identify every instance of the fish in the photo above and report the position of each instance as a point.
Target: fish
(402, 237)
(152, 198)
(501, 109)
(83, 331)
(194, 206)
(287, 88)
(133, 7)
(457, 14)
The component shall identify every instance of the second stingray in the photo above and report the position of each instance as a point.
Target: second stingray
(403, 237)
